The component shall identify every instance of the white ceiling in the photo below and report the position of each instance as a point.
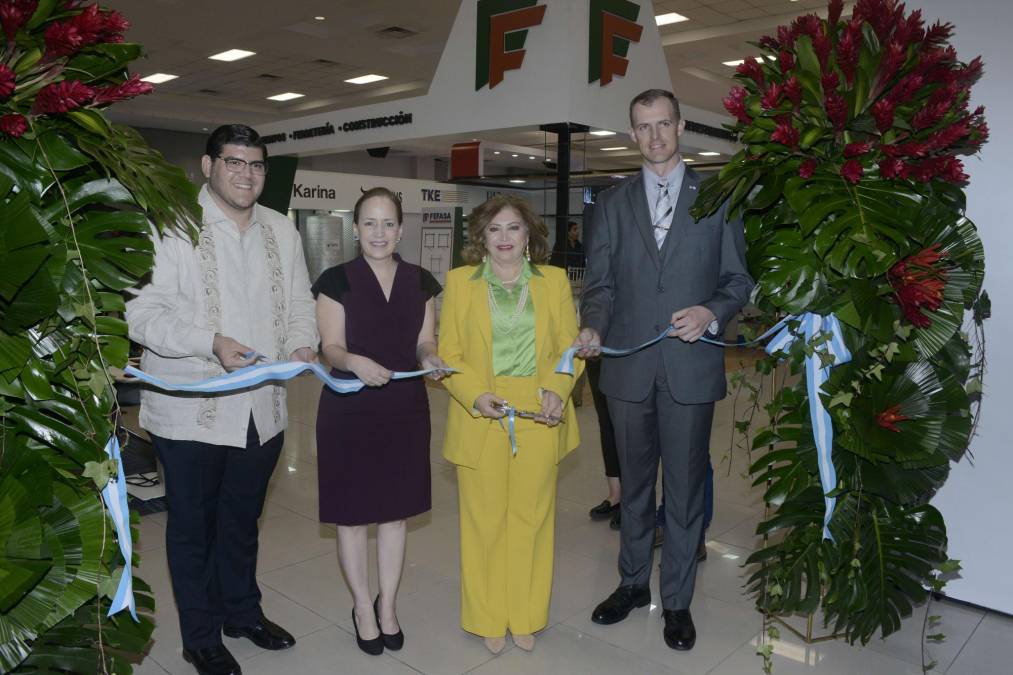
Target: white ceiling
(296, 52)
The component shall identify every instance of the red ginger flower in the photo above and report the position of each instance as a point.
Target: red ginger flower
(768, 42)
(785, 133)
(847, 50)
(7, 81)
(13, 124)
(751, 69)
(837, 110)
(786, 61)
(822, 47)
(852, 171)
(856, 149)
(882, 112)
(893, 168)
(893, 58)
(889, 418)
(830, 81)
(735, 103)
(834, 10)
(918, 282)
(793, 90)
(61, 97)
(123, 91)
(91, 26)
(807, 169)
(772, 97)
(938, 33)
(14, 14)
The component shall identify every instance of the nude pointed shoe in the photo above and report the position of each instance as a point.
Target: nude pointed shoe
(525, 642)
(495, 644)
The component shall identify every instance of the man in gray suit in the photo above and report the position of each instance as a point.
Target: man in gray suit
(651, 266)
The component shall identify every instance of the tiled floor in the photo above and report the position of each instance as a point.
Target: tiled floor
(304, 591)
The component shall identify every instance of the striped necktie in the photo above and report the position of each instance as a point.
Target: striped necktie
(662, 214)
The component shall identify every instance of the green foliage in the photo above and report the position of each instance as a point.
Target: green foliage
(899, 264)
(78, 198)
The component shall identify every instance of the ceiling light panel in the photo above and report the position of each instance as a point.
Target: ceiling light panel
(669, 18)
(159, 78)
(231, 55)
(287, 96)
(366, 79)
(603, 132)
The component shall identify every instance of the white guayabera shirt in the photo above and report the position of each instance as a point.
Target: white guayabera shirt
(252, 287)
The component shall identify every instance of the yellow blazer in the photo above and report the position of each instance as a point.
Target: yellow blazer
(466, 345)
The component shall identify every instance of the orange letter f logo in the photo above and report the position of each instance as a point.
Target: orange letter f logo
(502, 30)
(613, 27)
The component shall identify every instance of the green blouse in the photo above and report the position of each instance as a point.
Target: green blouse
(513, 334)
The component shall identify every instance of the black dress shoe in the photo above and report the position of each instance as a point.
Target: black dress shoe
(617, 518)
(680, 633)
(265, 634)
(604, 510)
(212, 661)
(617, 606)
(390, 641)
(372, 647)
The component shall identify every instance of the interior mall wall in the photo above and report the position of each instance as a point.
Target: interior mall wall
(977, 500)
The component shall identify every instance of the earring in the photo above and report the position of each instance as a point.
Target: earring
(527, 252)
(398, 240)
(355, 237)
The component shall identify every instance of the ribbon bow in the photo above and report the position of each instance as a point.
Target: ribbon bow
(114, 494)
(816, 374)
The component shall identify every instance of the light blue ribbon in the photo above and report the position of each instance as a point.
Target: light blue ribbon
(816, 374)
(511, 428)
(115, 496)
(258, 373)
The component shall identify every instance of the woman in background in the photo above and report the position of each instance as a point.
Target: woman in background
(505, 321)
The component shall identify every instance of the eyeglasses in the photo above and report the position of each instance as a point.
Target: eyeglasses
(236, 165)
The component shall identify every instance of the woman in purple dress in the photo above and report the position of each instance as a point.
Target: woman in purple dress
(376, 315)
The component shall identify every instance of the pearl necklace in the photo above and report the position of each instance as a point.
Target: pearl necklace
(511, 322)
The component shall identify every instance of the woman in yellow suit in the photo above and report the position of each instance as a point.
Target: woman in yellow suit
(505, 322)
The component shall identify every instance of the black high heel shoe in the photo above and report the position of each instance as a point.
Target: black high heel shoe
(372, 647)
(393, 642)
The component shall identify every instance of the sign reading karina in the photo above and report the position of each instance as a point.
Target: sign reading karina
(313, 191)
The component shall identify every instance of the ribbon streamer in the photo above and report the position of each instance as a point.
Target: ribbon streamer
(511, 429)
(816, 374)
(114, 494)
(258, 373)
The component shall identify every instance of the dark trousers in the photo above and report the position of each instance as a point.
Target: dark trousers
(708, 500)
(215, 495)
(606, 431)
(679, 435)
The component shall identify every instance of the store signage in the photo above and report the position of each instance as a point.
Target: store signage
(500, 36)
(437, 217)
(313, 191)
(327, 129)
(445, 196)
(613, 27)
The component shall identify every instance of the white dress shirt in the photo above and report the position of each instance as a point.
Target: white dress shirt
(250, 286)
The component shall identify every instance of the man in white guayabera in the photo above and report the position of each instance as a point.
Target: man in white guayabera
(240, 295)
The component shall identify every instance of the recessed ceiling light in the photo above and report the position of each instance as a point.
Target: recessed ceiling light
(366, 79)
(517, 180)
(688, 159)
(603, 132)
(513, 155)
(495, 152)
(231, 55)
(708, 153)
(204, 129)
(531, 156)
(287, 96)
(158, 78)
(320, 18)
(618, 147)
(670, 17)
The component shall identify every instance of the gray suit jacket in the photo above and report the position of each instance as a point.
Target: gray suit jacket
(631, 290)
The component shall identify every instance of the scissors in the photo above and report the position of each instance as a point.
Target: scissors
(524, 414)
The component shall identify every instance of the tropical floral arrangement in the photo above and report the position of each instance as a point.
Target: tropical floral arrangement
(78, 197)
(849, 185)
